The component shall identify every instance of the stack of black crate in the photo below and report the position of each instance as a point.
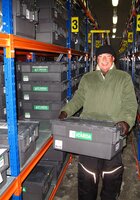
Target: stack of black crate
(2, 92)
(52, 22)
(3, 95)
(44, 88)
(79, 68)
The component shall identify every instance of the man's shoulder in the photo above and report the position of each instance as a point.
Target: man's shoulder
(122, 73)
(90, 74)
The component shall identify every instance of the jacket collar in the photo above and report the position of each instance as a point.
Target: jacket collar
(113, 67)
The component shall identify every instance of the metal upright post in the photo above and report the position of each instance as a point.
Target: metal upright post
(69, 91)
(10, 91)
(134, 40)
(86, 41)
(91, 56)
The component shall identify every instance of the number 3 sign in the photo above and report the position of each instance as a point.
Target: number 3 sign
(138, 22)
(74, 24)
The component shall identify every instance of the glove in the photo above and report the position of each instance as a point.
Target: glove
(62, 115)
(124, 127)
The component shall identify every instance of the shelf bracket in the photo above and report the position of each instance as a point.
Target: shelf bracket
(10, 52)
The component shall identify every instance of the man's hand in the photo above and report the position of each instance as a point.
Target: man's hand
(62, 115)
(124, 127)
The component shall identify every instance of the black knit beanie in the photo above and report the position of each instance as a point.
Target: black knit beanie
(105, 49)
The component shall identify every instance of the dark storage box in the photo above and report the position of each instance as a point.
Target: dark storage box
(4, 158)
(27, 134)
(45, 96)
(58, 76)
(38, 115)
(44, 86)
(42, 105)
(41, 109)
(52, 38)
(41, 67)
(92, 138)
(54, 155)
(37, 184)
(3, 178)
(57, 166)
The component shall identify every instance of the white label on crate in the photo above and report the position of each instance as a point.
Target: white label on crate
(25, 78)
(4, 90)
(30, 139)
(72, 134)
(2, 151)
(27, 14)
(4, 111)
(1, 161)
(26, 97)
(55, 14)
(58, 144)
(27, 115)
(3, 125)
(1, 179)
(117, 146)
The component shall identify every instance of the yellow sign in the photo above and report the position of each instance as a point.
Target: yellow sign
(89, 37)
(74, 24)
(98, 43)
(130, 37)
(138, 23)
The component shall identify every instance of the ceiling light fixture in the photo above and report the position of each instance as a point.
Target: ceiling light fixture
(115, 19)
(114, 30)
(113, 36)
(115, 3)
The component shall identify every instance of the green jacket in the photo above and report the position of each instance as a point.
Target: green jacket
(112, 98)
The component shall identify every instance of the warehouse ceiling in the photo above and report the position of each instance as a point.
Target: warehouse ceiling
(103, 12)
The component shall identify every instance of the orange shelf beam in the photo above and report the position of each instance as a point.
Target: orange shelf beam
(23, 43)
(32, 45)
(9, 191)
(4, 38)
(78, 53)
(60, 179)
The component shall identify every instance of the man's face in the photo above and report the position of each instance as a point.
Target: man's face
(105, 61)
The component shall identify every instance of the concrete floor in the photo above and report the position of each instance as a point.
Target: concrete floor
(130, 185)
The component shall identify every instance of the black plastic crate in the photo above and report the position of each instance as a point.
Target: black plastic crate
(58, 77)
(3, 179)
(38, 183)
(41, 67)
(42, 105)
(44, 86)
(57, 168)
(40, 115)
(54, 155)
(101, 139)
(44, 96)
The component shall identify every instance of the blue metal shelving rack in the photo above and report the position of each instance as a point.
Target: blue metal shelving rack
(69, 92)
(10, 92)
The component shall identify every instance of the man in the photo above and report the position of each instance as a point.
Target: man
(104, 94)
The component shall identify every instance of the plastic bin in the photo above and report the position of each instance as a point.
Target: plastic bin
(37, 184)
(86, 137)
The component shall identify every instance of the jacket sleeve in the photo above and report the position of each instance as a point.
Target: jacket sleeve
(129, 102)
(77, 101)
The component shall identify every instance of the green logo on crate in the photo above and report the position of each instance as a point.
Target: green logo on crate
(80, 135)
(40, 88)
(41, 107)
(24, 189)
(40, 69)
